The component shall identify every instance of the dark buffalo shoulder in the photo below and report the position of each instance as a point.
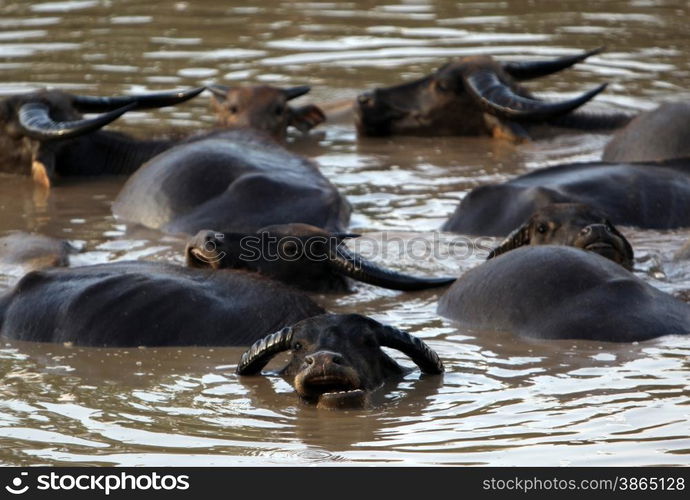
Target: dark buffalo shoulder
(651, 195)
(238, 180)
(150, 304)
(559, 292)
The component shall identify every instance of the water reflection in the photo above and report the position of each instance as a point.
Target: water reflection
(503, 401)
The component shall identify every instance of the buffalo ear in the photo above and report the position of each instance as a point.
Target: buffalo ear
(518, 238)
(306, 117)
(629, 253)
(219, 96)
(219, 92)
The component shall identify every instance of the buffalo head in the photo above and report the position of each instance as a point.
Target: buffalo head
(299, 255)
(336, 359)
(263, 108)
(571, 224)
(40, 127)
(469, 96)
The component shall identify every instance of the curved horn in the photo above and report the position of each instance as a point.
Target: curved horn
(536, 69)
(422, 355)
(261, 352)
(356, 267)
(629, 252)
(499, 99)
(91, 104)
(518, 238)
(35, 121)
(294, 92)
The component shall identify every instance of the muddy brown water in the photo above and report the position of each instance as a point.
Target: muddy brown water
(503, 401)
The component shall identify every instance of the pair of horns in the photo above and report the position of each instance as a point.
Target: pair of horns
(499, 99)
(35, 121)
(263, 350)
(221, 91)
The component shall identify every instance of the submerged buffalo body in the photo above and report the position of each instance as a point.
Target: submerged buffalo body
(336, 359)
(645, 195)
(477, 96)
(238, 180)
(148, 304)
(661, 134)
(559, 292)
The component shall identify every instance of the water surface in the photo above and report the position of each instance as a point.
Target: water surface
(503, 401)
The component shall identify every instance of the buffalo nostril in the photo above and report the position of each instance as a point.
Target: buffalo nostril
(337, 360)
(586, 231)
(309, 360)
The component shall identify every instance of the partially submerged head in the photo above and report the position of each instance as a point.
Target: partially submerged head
(571, 224)
(336, 360)
(264, 108)
(468, 96)
(299, 255)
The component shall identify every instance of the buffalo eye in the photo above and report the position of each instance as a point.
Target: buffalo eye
(296, 346)
(233, 109)
(542, 228)
(280, 109)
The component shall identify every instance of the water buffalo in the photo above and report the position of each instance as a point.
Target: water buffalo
(264, 108)
(34, 251)
(299, 255)
(662, 134)
(148, 304)
(44, 134)
(560, 292)
(336, 359)
(477, 96)
(571, 224)
(234, 181)
(647, 195)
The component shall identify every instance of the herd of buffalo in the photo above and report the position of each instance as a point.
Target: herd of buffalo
(265, 227)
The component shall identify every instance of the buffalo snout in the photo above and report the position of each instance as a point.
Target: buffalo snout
(603, 240)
